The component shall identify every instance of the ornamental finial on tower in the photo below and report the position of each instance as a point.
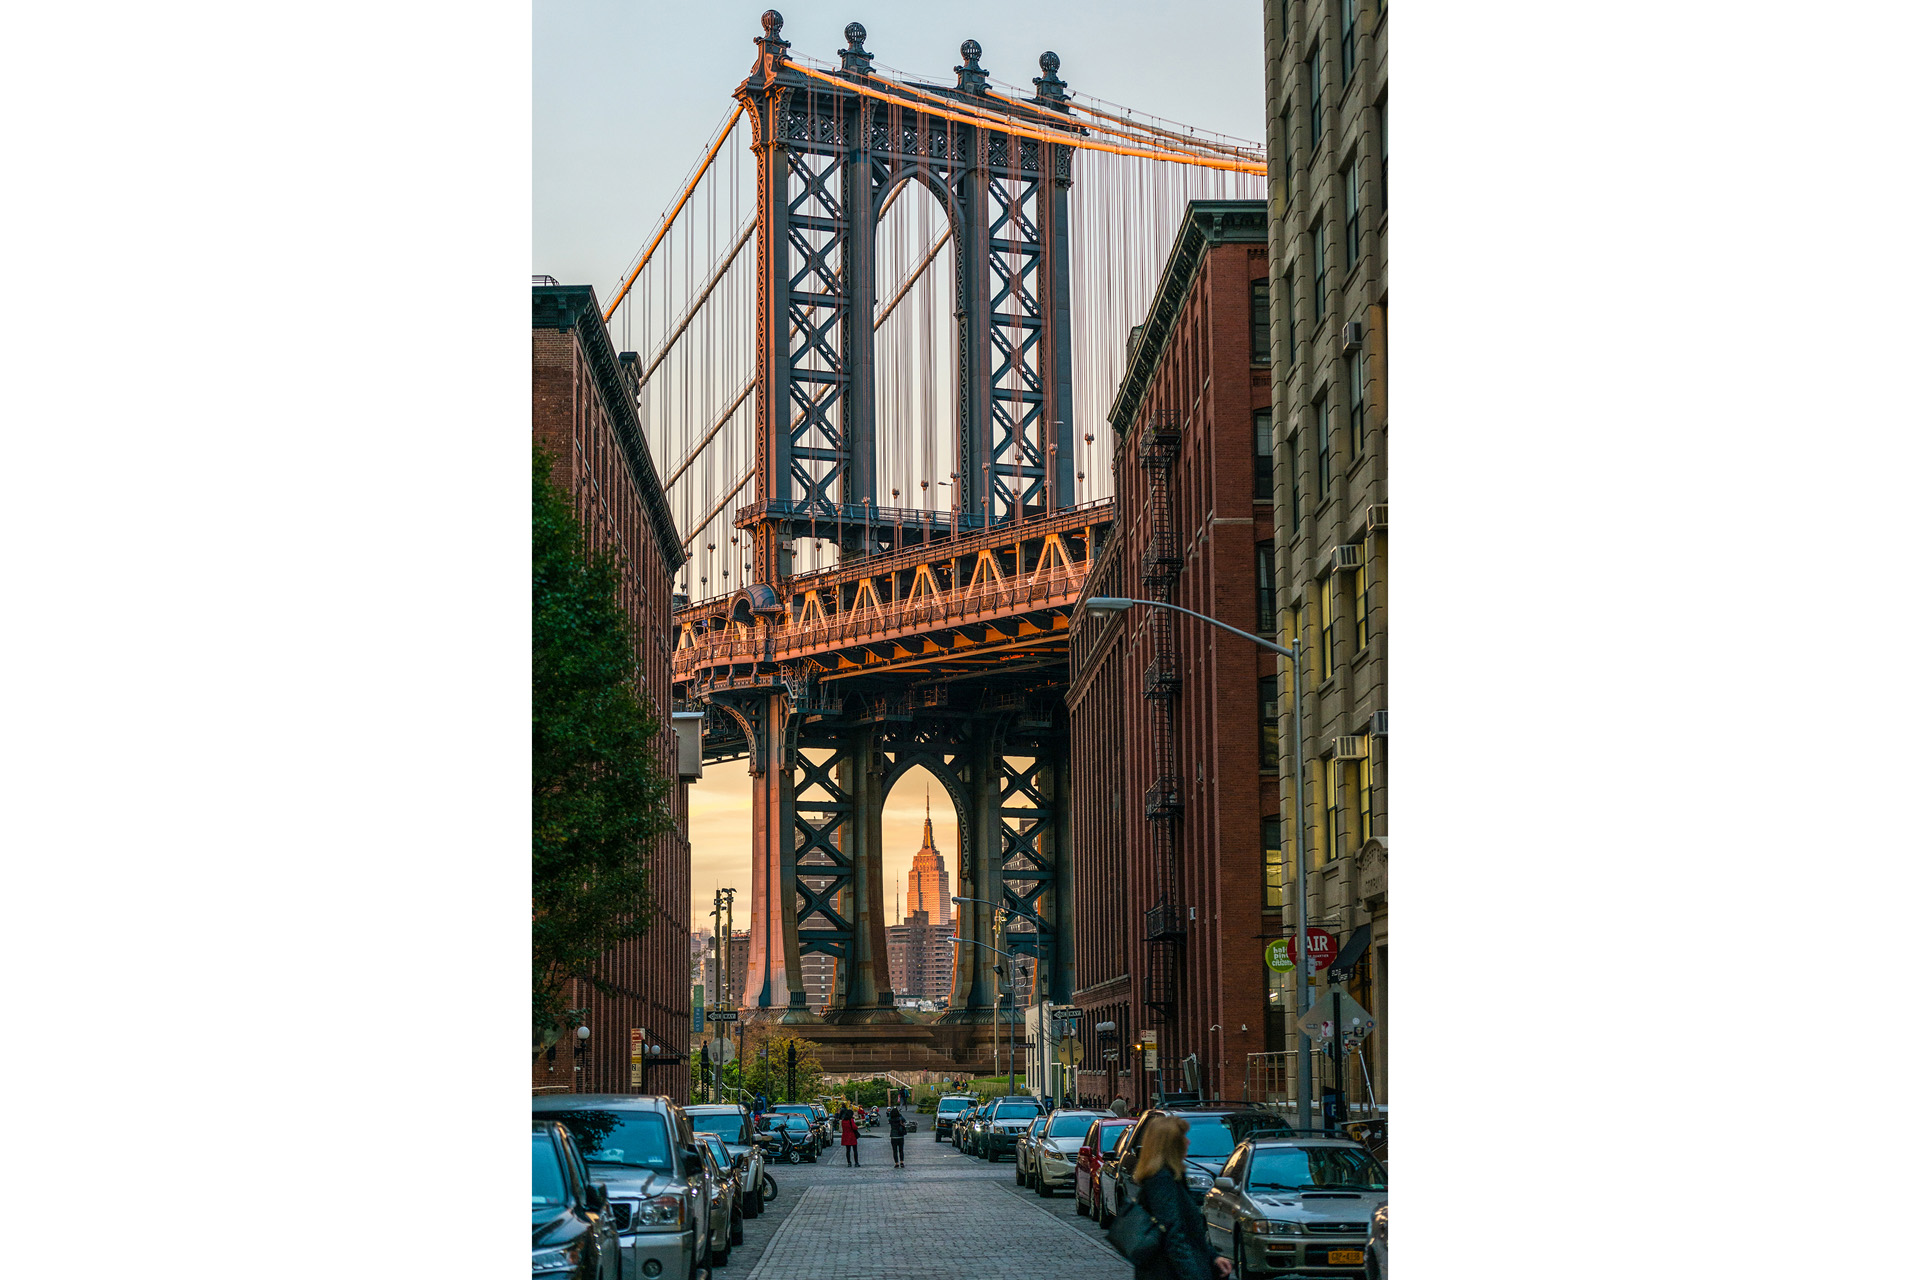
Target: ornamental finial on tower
(1049, 85)
(773, 50)
(854, 59)
(973, 79)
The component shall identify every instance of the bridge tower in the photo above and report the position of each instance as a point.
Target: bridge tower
(830, 148)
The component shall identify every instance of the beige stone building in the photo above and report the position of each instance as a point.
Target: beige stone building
(1326, 69)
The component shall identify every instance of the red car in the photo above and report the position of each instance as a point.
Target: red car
(1101, 1141)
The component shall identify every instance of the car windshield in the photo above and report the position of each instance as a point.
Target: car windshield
(1209, 1137)
(956, 1104)
(1071, 1126)
(800, 1122)
(1110, 1136)
(1293, 1168)
(728, 1126)
(796, 1109)
(718, 1150)
(1016, 1111)
(549, 1184)
(637, 1139)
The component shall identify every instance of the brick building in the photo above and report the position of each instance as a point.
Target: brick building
(1168, 830)
(1326, 71)
(584, 417)
(920, 958)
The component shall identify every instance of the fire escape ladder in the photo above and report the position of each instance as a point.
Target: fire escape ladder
(1160, 564)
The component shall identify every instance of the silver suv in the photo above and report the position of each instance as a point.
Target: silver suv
(1296, 1204)
(642, 1149)
(735, 1128)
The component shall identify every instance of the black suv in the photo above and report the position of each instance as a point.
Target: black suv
(573, 1232)
(998, 1128)
(1214, 1129)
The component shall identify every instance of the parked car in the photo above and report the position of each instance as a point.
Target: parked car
(573, 1232)
(1021, 1144)
(963, 1126)
(946, 1111)
(816, 1118)
(1053, 1146)
(642, 1148)
(802, 1142)
(1377, 1244)
(1298, 1205)
(1095, 1148)
(726, 1225)
(734, 1126)
(1214, 1129)
(1002, 1123)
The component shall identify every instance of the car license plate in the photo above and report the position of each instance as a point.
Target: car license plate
(1346, 1258)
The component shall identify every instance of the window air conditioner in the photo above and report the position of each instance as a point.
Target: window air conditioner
(1351, 335)
(1376, 517)
(1379, 724)
(1349, 747)
(1346, 557)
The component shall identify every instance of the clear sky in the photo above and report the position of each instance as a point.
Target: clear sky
(627, 92)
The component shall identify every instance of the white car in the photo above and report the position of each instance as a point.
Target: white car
(1053, 1149)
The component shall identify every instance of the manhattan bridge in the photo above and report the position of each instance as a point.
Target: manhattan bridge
(878, 334)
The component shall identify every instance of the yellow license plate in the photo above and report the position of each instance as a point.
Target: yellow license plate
(1346, 1257)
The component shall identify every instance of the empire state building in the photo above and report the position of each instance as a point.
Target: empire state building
(927, 883)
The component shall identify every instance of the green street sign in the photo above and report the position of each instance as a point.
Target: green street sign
(1277, 958)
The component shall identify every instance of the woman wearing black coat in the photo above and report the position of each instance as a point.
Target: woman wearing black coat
(897, 1131)
(1160, 1174)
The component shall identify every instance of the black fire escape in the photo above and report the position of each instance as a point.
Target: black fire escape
(1160, 565)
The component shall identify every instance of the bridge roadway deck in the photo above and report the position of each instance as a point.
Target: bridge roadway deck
(942, 1216)
(993, 621)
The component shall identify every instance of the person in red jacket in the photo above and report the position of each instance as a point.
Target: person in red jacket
(850, 1136)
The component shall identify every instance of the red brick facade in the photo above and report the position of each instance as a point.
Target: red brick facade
(1193, 364)
(583, 415)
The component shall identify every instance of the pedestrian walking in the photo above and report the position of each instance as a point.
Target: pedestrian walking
(897, 1134)
(850, 1136)
(1160, 1173)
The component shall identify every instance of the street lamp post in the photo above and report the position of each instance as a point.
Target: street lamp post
(580, 1034)
(1101, 605)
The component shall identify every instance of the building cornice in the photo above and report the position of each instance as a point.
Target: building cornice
(574, 307)
(1207, 223)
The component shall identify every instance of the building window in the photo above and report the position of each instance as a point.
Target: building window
(1286, 156)
(1326, 628)
(1263, 455)
(1323, 829)
(1362, 602)
(1324, 444)
(1264, 595)
(1353, 213)
(1383, 159)
(1363, 795)
(1274, 859)
(1262, 323)
(1316, 114)
(1293, 481)
(1349, 38)
(1269, 722)
(1320, 271)
(1293, 344)
(1356, 406)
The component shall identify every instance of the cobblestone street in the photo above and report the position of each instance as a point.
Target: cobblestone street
(944, 1215)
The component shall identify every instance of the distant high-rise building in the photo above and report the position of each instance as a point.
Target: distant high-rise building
(927, 883)
(920, 959)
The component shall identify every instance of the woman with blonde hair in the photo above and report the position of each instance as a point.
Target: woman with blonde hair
(1160, 1179)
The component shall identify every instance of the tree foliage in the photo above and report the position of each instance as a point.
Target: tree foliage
(599, 792)
(762, 1066)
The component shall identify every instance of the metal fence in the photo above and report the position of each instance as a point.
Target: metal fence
(1269, 1079)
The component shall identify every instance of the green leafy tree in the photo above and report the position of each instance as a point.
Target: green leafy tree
(599, 793)
(763, 1066)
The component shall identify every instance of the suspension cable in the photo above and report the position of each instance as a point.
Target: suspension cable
(675, 211)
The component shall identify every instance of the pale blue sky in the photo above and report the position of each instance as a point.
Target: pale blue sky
(627, 92)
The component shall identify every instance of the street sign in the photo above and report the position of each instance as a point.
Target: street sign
(1348, 960)
(1280, 955)
(723, 1015)
(1150, 1047)
(1320, 950)
(1350, 1021)
(722, 1049)
(1070, 1051)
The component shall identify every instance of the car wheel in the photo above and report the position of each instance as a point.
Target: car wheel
(769, 1190)
(993, 1156)
(1079, 1205)
(737, 1231)
(1239, 1256)
(720, 1257)
(1040, 1183)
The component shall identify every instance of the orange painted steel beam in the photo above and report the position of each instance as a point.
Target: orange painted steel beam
(679, 204)
(1008, 125)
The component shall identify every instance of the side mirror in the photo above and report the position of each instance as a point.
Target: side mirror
(1225, 1183)
(597, 1196)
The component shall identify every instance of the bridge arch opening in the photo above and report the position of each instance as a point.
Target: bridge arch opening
(918, 807)
(916, 352)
